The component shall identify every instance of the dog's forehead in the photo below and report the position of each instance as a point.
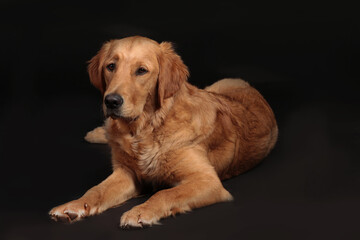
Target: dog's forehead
(132, 48)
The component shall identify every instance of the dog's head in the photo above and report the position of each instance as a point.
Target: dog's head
(135, 71)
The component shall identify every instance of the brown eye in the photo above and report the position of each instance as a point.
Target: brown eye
(110, 67)
(141, 71)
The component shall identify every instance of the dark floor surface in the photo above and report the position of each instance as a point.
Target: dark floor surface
(307, 188)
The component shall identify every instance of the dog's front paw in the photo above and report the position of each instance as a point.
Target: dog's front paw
(140, 216)
(70, 212)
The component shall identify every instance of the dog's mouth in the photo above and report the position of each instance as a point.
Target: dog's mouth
(114, 114)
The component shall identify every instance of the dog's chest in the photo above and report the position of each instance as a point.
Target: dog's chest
(145, 148)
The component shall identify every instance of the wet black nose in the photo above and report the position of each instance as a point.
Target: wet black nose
(113, 101)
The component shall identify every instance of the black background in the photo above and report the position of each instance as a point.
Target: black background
(304, 58)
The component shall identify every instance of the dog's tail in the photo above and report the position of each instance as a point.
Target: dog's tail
(235, 88)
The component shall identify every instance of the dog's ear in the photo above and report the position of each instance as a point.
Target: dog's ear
(173, 72)
(95, 68)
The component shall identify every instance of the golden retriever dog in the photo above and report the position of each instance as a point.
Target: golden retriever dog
(164, 131)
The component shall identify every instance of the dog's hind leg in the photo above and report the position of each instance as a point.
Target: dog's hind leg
(97, 135)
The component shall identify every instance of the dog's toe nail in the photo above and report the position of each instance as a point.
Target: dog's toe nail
(53, 217)
(72, 215)
(63, 219)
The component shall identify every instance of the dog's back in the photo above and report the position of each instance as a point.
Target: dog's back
(255, 124)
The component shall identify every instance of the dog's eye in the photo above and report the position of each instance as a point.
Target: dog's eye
(141, 71)
(111, 67)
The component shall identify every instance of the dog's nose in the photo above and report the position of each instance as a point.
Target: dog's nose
(113, 101)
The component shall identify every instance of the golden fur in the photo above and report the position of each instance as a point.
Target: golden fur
(168, 132)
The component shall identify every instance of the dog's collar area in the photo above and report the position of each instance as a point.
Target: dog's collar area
(132, 119)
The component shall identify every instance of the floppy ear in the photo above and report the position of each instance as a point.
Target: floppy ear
(173, 72)
(95, 68)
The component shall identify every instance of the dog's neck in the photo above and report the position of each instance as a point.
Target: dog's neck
(153, 116)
